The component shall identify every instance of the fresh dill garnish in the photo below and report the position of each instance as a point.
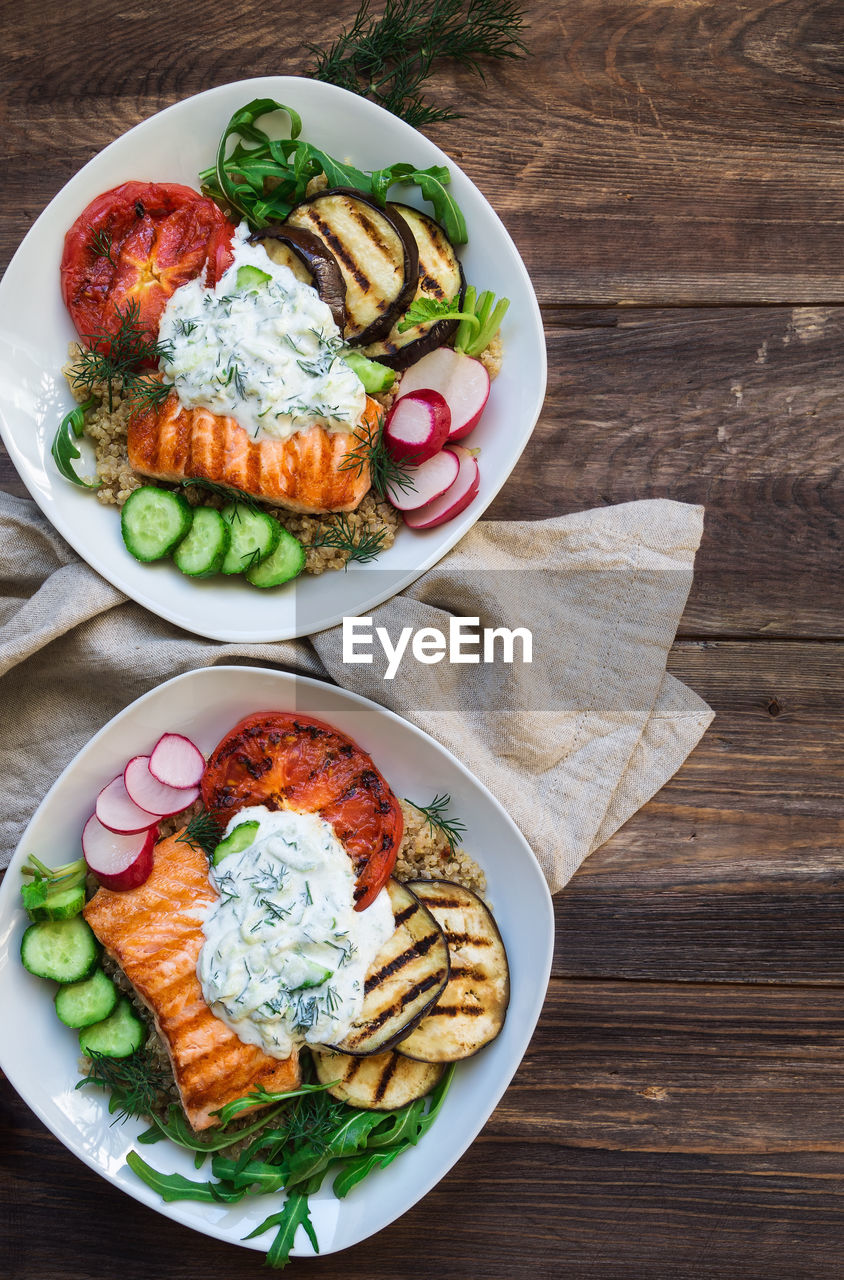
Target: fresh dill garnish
(204, 832)
(370, 452)
(451, 829)
(186, 327)
(222, 491)
(101, 244)
(121, 360)
(360, 545)
(389, 58)
(136, 1083)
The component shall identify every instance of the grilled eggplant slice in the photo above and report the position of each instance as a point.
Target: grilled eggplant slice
(440, 278)
(310, 260)
(380, 1082)
(406, 978)
(375, 251)
(471, 1011)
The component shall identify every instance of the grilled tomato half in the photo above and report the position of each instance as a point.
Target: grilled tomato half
(132, 247)
(288, 761)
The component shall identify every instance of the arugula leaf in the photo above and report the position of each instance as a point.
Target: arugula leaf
(64, 449)
(172, 1186)
(294, 1213)
(261, 1097)
(262, 179)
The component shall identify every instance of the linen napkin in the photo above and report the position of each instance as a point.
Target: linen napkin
(572, 743)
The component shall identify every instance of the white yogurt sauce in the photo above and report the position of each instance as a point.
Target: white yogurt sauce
(265, 351)
(285, 952)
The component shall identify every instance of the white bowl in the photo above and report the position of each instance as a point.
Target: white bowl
(172, 147)
(41, 1057)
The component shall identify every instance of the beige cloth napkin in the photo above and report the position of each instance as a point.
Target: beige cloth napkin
(571, 745)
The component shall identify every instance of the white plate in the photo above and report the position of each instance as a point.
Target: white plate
(41, 1057)
(172, 147)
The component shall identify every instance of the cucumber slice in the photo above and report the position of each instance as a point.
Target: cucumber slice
(374, 376)
(153, 522)
(61, 905)
(202, 552)
(254, 536)
(236, 841)
(81, 1004)
(63, 950)
(286, 562)
(117, 1036)
(252, 278)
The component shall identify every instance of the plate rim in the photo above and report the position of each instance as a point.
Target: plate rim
(12, 911)
(398, 579)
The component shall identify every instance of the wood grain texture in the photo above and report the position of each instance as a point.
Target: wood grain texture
(652, 1131)
(677, 150)
(734, 408)
(733, 872)
(671, 172)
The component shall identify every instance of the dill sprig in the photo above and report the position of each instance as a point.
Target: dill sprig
(229, 492)
(204, 832)
(370, 451)
(136, 1083)
(389, 59)
(451, 829)
(120, 360)
(101, 244)
(360, 545)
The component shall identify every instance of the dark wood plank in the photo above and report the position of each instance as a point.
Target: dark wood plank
(733, 871)
(652, 1131)
(737, 409)
(671, 152)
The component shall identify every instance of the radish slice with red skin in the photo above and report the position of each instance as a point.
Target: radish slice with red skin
(118, 861)
(176, 761)
(430, 479)
(117, 811)
(455, 499)
(462, 381)
(149, 793)
(417, 426)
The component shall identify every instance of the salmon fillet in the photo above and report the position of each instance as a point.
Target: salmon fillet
(154, 933)
(303, 473)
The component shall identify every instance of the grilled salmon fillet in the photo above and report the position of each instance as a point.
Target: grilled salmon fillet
(154, 932)
(304, 473)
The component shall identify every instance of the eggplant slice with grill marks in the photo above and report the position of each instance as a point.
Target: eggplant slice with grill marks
(471, 1011)
(440, 278)
(310, 261)
(406, 978)
(381, 1082)
(375, 251)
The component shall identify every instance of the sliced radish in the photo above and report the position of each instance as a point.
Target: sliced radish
(119, 813)
(118, 861)
(462, 381)
(430, 479)
(455, 499)
(155, 796)
(176, 761)
(417, 426)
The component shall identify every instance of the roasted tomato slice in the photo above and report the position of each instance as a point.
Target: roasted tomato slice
(287, 761)
(135, 245)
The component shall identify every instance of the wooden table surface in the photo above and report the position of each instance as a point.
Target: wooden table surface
(671, 171)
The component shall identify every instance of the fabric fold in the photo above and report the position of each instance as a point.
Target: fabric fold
(571, 743)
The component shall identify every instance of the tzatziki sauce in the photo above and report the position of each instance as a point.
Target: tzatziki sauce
(285, 952)
(261, 347)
